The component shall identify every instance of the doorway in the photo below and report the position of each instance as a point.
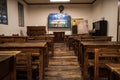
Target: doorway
(59, 37)
(118, 32)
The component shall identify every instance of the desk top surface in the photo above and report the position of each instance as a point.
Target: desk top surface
(113, 66)
(100, 43)
(4, 57)
(117, 71)
(14, 53)
(23, 44)
(13, 36)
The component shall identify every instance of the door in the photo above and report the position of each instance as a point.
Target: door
(59, 36)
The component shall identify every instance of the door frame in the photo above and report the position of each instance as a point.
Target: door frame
(118, 22)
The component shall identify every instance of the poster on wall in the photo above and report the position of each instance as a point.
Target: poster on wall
(79, 26)
(83, 27)
(61, 20)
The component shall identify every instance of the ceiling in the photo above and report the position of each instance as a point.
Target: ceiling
(33, 2)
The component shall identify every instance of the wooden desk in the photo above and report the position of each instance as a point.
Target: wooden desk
(4, 55)
(44, 38)
(7, 65)
(50, 47)
(13, 38)
(40, 47)
(87, 45)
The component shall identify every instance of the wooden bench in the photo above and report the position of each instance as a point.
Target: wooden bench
(23, 66)
(103, 56)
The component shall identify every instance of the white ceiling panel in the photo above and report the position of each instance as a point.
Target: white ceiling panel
(47, 1)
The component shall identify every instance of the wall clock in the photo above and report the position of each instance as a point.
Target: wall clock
(61, 8)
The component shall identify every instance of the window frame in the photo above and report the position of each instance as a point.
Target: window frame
(20, 14)
(3, 12)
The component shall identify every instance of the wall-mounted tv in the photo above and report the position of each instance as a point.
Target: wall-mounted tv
(59, 20)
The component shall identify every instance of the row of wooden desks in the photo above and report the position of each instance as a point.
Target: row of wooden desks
(84, 45)
(88, 45)
(32, 47)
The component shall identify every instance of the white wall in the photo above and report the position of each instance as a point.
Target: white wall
(13, 26)
(38, 14)
(109, 10)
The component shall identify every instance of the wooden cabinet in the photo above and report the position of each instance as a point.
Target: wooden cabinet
(36, 30)
(100, 28)
(59, 36)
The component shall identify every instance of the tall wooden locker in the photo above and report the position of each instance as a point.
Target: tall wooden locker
(100, 28)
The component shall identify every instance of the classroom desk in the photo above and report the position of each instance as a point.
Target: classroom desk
(13, 39)
(7, 65)
(88, 45)
(40, 47)
(50, 44)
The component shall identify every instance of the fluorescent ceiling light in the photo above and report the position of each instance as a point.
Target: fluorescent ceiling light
(59, 0)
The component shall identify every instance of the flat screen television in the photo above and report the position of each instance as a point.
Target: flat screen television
(59, 20)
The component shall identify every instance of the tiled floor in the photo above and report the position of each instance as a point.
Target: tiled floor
(63, 65)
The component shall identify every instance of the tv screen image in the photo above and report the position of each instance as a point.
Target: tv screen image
(59, 20)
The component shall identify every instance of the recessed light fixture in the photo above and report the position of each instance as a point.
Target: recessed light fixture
(59, 0)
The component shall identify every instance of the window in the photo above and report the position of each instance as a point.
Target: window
(3, 12)
(21, 14)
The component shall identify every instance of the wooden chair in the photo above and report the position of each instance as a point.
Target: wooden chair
(36, 66)
(71, 42)
(23, 66)
(103, 56)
